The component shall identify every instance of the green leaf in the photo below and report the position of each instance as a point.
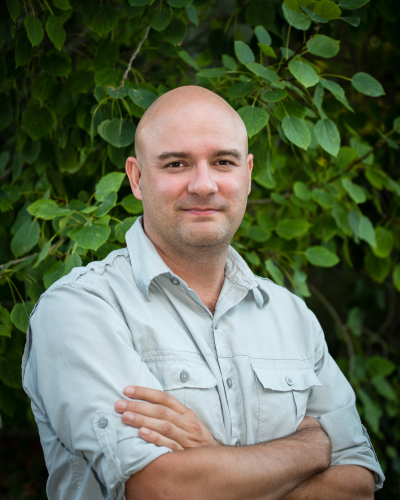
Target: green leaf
(107, 54)
(241, 89)
(290, 108)
(6, 113)
(73, 260)
(260, 12)
(355, 191)
(179, 3)
(176, 31)
(107, 205)
(259, 234)
(268, 51)
(20, 315)
(275, 95)
(378, 269)
(211, 73)
(296, 5)
(298, 20)
(366, 231)
(352, 4)
(337, 92)
(101, 18)
(323, 46)
(23, 51)
(47, 209)
(53, 274)
(321, 256)
(378, 366)
(296, 131)
(142, 98)
(122, 227)
(37, 121)
(396, 277)
(262, 35)
(192, 14)
(34, 30)
(265, 73)
(55, 31)
(274, 272)
(372, 412)
(92, 236)
(43, 253)
(30, 151)
(327, 9)
(352, 20)
(55, 64)
(13, 9)
(301, 191)
(139, 3)
(118, 132)
(292, 228)
(110, 183)
(254, 118)
(384, 388)
(119, 93)
(100, 93)
(10, 371)
(244, 53)
(5, 323)
(317, 19)
(323, 198)
(159, 19)
(229, 63)
(366, 84)
(384, 243)
(25, 238)
(132, 205)
(303, 72)
(328, 136)
(62, 4)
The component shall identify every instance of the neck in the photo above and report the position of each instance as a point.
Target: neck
(202, 269)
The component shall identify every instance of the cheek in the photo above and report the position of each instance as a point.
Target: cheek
(163, 189)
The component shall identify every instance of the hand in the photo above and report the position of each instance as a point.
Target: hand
(308, 422)
(163, 420)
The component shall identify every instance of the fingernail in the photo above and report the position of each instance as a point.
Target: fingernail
(121, 405)
(129, 391)
(128, 416)
(144, 431)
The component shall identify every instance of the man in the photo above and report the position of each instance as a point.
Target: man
(200, 357)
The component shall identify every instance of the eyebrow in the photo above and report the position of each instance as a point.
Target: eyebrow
(216, 154)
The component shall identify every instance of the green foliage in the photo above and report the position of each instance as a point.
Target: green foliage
(323, 214)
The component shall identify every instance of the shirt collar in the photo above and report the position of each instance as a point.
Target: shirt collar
(147, 265)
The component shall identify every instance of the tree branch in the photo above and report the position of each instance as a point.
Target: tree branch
(133, 56)
(22, 259)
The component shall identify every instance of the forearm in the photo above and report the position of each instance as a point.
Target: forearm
(339, 482)
(261, 472)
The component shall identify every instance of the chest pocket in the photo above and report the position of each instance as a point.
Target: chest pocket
(193, 384)
(282, 399)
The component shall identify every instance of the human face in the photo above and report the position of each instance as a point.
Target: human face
(193, 178)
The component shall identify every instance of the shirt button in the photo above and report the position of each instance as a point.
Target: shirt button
(175, 281)
(102, 422)
(216, 326)
(229, 382)
(289, 381)
(184, 376)
(238, 443)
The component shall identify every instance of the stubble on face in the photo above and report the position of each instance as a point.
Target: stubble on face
(195, 120)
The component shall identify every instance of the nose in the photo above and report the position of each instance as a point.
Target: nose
(202, 182)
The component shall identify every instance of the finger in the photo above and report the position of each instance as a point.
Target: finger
(154, 396)
(163, 427)
(158, 439)
(149, 410)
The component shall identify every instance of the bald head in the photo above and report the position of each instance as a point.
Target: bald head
(186, 105)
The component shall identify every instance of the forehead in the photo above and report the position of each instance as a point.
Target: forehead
(193, 127)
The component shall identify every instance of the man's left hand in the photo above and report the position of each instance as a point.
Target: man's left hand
(163, 420)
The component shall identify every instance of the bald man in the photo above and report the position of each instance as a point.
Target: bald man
(169, 370)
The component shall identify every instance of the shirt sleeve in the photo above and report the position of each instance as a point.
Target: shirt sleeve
(81, 356)
(334, 405)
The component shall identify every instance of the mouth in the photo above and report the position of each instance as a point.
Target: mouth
(201, 211)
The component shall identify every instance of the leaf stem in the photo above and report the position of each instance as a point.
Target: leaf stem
(133, 56)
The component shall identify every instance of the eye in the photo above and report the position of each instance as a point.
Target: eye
(224, 162)
(175, 164)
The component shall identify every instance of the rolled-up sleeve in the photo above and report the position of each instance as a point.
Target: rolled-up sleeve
(80, 356)
(333, 404)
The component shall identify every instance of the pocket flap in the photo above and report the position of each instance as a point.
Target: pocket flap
(179, 373)
(282, 380)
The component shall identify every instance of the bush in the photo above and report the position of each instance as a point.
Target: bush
(323, 215)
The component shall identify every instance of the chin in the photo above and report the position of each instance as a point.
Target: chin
(203, 237)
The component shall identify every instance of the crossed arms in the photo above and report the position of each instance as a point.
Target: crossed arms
(292, 468)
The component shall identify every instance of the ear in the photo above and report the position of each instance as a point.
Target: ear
(132, 169)
(250, 167)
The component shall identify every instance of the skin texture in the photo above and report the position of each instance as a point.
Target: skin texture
(193, 172)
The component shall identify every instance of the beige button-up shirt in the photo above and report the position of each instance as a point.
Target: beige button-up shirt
(251, 372)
